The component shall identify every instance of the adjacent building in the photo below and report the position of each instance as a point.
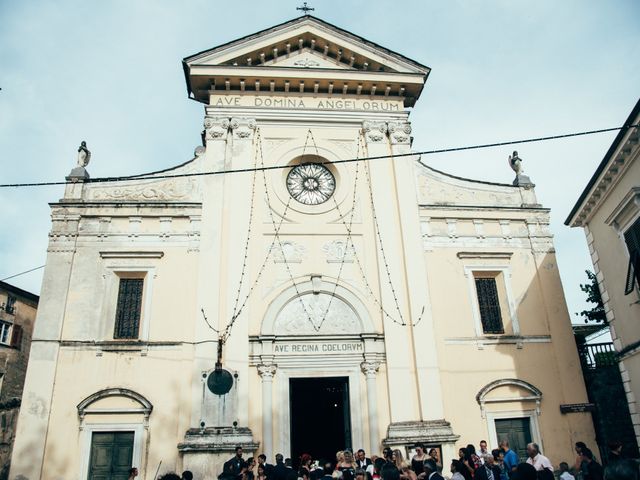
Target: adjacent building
(609, 211)
(361, 303)
(17, 316)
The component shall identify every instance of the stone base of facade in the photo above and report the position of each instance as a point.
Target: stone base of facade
(429, 432)
(204, 450)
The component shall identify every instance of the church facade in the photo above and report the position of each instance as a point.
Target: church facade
(361, 303)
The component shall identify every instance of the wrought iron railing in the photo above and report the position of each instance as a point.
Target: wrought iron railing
(598, 355)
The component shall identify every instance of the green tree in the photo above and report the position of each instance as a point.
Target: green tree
(596, 314)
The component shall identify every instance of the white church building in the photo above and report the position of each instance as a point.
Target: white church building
(361, 303)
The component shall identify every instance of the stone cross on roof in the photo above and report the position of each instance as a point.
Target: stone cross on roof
(305, 8)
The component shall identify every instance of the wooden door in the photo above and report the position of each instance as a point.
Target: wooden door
(517, 431)
(111, 455)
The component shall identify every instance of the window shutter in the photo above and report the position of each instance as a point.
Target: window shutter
(632, 239)
(16, 336)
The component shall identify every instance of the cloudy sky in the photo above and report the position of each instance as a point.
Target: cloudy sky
(109, 72)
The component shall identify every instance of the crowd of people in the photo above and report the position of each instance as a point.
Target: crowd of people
(472, 464)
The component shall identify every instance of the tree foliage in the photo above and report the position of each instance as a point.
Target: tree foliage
(596, 314)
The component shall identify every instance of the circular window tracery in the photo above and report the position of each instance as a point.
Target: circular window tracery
(311, 183)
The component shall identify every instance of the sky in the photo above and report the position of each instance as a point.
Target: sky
(110, 73)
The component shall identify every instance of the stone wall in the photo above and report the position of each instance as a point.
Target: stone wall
(14, 356)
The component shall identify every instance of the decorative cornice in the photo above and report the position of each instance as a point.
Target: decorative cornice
(629, 351)
(484, 391)
(535, 394)
(482, 341)
(131, 254)
(611, 170)
(628, 207)
(262, 56)
(431, 432)
(501, 255)
(151, 190)
(218, 440)
(145, 405)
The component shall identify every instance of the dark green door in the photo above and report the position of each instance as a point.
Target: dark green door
(517, 431)
(111, 455)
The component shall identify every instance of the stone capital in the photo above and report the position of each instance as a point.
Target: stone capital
(400, 133)
(370, 368)
(374, 132)
(243, 128)
(267, 371)
(216, 128)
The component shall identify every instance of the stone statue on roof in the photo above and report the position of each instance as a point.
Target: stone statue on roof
(84, 155)
(515, 162)
(521, 180)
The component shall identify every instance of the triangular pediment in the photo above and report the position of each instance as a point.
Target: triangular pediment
(307, 58)
(304, 55)
(323, 46)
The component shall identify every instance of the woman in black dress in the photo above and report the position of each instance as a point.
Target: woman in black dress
(417, 462)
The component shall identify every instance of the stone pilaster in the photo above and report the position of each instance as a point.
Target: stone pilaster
(266, 373)
(403, 394)
(33, 421)
(212, 158)
(370, 370)
(237, 198)
(427, 371)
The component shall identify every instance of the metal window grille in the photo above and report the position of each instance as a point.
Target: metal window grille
(11, 304)
(632, 239)
(489, 304)
(128, 308)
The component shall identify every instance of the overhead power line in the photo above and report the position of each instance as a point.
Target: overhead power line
(21, 273)
(142, 177)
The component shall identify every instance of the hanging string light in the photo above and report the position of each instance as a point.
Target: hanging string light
(384, 255)
(349, 242)
(259, 166)
(277, 230)
(349, 229)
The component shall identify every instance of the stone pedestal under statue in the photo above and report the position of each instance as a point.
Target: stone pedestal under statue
(430, 433)
(522, 180)
(204, 450)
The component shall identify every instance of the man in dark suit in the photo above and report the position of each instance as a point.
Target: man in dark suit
(280, 470)
(234, 468)
(390, 472)
(431, 470)
(489, 470)
(327, 469)
(291, 473)
(268, 468)
(361, 459)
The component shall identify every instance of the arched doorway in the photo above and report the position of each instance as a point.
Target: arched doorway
(315, 344)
